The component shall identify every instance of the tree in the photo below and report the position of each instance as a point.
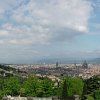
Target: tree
(38, 87)
(12, 86)
(1, 94)
(97, 95)
(92, 84)
(31, 86)
(47, 87)
(64, 91)
(85, 89)
(75, 86)
(22, 91)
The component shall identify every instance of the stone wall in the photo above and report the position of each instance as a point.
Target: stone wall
(75, 97)
(25, 98)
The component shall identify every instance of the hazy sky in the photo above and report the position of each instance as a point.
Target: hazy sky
(36, 29)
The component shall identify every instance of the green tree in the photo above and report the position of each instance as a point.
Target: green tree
(22, 91)
(1, 94)
(64, 91)
(92, 84)
(47, 87)
(12, 86)
(97, 95)
(75, 86)
(85, 90)
(31, 86)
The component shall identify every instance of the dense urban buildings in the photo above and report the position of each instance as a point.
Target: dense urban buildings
(56, 70)
(55, 74)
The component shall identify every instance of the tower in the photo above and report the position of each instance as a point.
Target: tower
(57, 64)
(85, 65)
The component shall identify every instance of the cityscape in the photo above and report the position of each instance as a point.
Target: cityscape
(49, 49)
(52, 75)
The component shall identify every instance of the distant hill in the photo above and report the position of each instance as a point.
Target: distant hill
(68, 61)
(7, 68)
(95, 61)
(62, 61)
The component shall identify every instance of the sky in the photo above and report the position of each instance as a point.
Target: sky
(31, 30)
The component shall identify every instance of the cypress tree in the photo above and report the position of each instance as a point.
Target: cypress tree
(64, 91)
(85, 90)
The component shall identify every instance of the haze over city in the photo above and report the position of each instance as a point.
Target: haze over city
(31, 30)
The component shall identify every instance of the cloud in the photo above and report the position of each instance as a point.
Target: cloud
(39, 25)
(72, 14)
(3, 32)
(5, 7)
(24, 34)
(41, 22)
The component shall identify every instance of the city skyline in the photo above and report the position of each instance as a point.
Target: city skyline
(31, 30)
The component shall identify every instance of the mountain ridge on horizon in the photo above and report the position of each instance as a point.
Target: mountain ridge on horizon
(61, 61)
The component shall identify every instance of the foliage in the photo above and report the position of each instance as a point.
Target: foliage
(31, 86)
(47, 87)
(85, 88)
(92, 84)
(64, 91)
(12, 86)
(75, 86)
(1, 94)
(97, 95)
(40, 87)
(89, 97)
(7, 68)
